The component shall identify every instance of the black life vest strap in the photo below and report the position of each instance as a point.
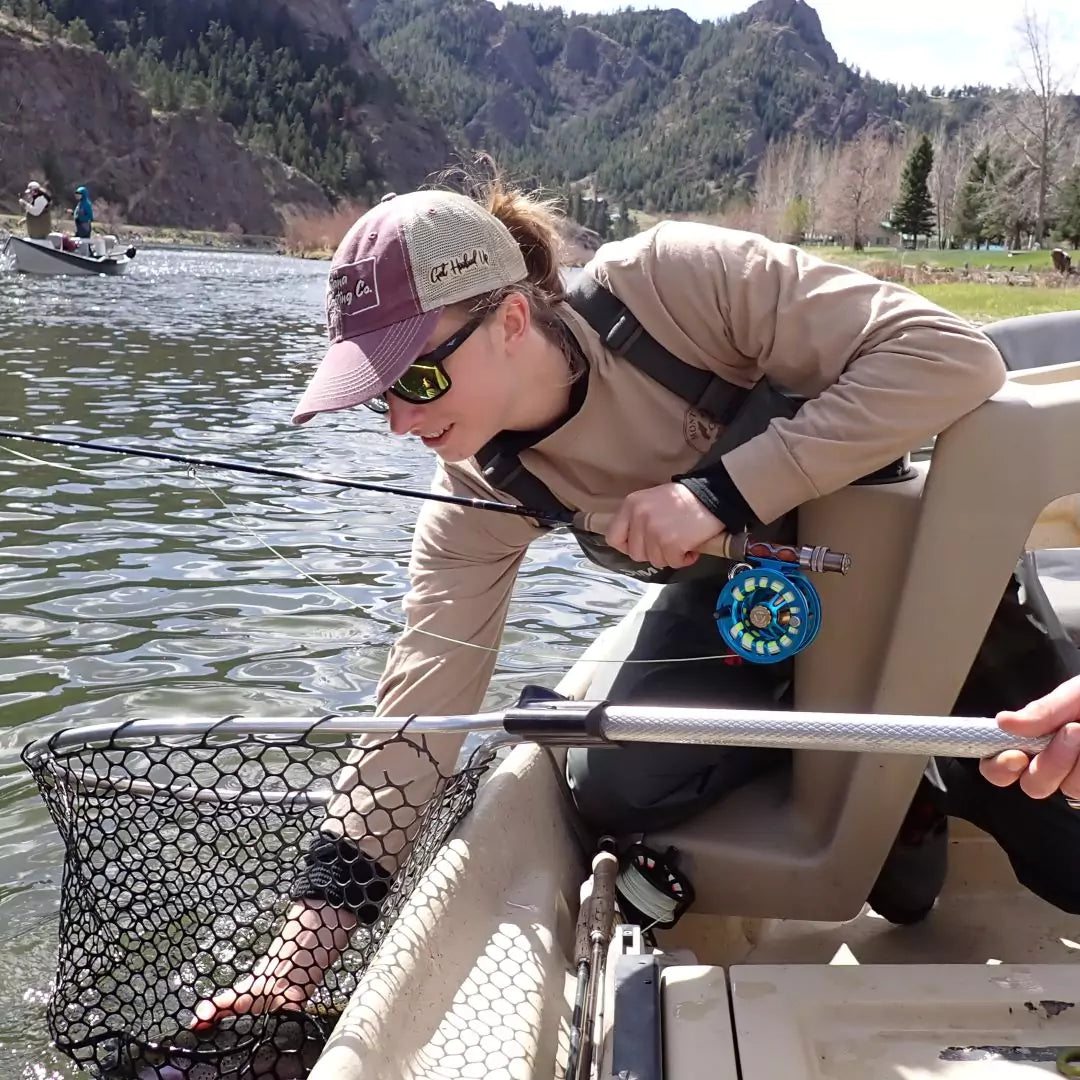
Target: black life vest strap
(502, 469)
(623, 334)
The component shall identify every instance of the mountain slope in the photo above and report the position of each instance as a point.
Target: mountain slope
(73, 116)
(206, 97)
(651, 105)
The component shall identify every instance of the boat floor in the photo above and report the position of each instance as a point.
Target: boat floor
(979, 918)
(987, 986)
(476, 979)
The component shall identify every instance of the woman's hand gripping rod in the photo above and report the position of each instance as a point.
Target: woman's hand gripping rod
(740, 546)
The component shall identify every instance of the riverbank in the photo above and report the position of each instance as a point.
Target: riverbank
(982, 286)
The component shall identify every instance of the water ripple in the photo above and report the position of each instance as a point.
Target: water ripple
(139, 588)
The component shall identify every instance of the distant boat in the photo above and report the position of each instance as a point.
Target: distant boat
(61, 255)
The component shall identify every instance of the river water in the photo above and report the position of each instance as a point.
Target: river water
(139, 588)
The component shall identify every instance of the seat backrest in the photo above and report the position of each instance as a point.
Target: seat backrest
(1033, 341)
(931, 557)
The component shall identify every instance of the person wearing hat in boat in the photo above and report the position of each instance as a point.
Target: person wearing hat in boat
(35, 201)
(83, 213)
(446, 312)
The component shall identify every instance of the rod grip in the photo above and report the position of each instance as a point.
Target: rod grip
(738, 546)
(605, 869)
(581, 933)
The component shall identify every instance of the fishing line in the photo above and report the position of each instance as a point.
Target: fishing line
(651, 887)
(548, 517)
(50, 464)
(418, 629)
(330, 590)
(32, 924)
(655, 905)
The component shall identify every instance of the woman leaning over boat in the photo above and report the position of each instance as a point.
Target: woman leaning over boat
(447, 312)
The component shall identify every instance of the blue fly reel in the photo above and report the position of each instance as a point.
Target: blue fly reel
(768, 612)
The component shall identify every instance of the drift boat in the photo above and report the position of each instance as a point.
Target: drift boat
(97, 255)
(735, 946)
(778, 970)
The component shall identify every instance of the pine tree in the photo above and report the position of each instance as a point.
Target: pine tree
(1069, 208)
(78, 33)
(913, 214)
(969, 222)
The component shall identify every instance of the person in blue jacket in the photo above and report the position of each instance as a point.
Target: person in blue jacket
(83, 213)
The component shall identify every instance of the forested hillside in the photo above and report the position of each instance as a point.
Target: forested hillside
(213, 111)
(655, 108)
(292, 77)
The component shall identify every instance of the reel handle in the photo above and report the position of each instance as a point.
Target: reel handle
(743, 546)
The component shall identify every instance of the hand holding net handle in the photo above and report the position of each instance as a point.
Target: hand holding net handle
(739, 546)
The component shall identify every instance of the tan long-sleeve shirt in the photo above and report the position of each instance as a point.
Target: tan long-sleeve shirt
(885, 370)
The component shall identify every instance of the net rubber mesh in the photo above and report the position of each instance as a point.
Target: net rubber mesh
(187, 860)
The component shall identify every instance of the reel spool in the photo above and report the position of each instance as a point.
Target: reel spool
(652, 893)
(768, 612)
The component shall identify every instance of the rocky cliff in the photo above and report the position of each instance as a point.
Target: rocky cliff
(71, 114)
(64, 110)
(404, 144)
(647, 106)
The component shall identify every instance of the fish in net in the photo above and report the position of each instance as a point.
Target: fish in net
(226, 884)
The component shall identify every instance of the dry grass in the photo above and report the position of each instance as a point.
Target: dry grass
(315, 236)
(927, 274)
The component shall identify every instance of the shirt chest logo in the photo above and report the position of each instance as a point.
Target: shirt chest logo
(699, 431)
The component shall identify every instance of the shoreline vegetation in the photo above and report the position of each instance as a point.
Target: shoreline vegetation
(980, 285)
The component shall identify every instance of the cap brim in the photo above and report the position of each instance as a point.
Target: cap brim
(357, 369)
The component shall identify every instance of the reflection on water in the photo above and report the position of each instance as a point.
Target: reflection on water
(131, 587)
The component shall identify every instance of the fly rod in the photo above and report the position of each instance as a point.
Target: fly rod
(547, 517)
(728, 546)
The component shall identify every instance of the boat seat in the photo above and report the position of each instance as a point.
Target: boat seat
(1051, 581)
(1050, 574)
(932, 556)
(1036, 341)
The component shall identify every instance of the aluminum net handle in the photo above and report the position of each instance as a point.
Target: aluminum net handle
(973, 737)
(964, 737)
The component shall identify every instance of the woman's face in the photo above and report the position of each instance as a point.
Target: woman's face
(483, 376)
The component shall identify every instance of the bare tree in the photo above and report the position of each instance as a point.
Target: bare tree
(1033, 119)
(772, 189)
(817, 172)
(1013, 192)
(783, 192)
(952, 158)
(858, 193)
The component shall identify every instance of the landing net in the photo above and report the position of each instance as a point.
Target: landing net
(186, 850)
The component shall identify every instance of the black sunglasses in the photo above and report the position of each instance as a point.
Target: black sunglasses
(425, 380)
